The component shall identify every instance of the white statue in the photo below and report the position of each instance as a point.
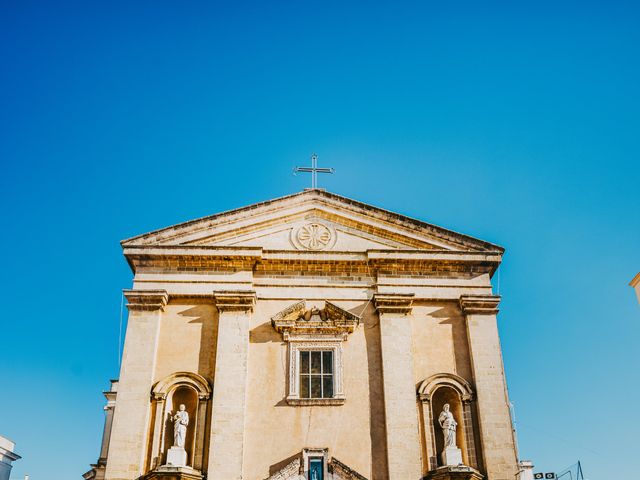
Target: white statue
(181, 420)
(448, 425)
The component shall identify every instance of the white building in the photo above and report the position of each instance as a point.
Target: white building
(7, 456)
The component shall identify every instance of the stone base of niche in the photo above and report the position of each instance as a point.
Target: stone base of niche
(168, 472)
(458, 472)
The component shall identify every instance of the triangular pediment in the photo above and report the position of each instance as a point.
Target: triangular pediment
(313, 220)
(305, 319)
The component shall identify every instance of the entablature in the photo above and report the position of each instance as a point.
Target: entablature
(191, 260)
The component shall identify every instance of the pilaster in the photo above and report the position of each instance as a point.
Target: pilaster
(469, 431)
(128, 443)
(430, 460)
(401, 414)
(108, 421)
(494, 417)
(230, 384)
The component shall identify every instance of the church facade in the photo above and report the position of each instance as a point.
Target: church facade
(309, 337)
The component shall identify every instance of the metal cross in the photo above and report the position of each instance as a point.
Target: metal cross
(314, 170)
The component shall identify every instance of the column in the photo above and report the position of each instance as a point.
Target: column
(201, 425)
(128, 445)
(431, 462)
(230, 385)
(401, 414)
(469, 435)
(157, 443)
(494, 417)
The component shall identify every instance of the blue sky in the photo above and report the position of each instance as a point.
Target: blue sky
(516, 122)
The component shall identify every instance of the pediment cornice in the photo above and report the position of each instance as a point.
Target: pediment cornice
(353, 218)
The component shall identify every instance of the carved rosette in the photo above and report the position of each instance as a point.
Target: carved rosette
(313, 236)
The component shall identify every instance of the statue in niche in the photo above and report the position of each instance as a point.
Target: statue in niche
(448, 425)
(180, 422)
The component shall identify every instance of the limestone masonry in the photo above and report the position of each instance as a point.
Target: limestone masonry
(309, 337)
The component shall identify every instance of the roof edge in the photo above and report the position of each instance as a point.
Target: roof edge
(463, 238)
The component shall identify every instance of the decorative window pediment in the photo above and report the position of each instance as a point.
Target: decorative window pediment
(314, 335)
(301, 319)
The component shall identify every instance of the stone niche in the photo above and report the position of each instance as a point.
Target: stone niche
(433, 393)
(192, 391)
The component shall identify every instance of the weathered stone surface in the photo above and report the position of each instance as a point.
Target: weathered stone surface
(403, 300)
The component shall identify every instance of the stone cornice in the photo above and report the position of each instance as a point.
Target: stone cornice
(146, 300)
(9, 454)
(393, 303)
(235, 301)
(479, 304)
(111, 399)
(191, 259)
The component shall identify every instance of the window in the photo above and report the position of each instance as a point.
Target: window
(315, 338)
(316, 374)
(315, 461)
(316, 468)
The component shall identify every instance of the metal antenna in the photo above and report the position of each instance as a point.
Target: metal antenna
(314, 170)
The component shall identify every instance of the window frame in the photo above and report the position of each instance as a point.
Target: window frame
(310, 454)
(295, 348)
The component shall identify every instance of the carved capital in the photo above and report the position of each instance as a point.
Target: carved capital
(235, 301)
(398, 303)
(158, 396)
(479, 304)
(146, 300)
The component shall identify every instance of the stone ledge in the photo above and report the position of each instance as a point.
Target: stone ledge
(316, 402)
(458, 472)
(167, 472)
